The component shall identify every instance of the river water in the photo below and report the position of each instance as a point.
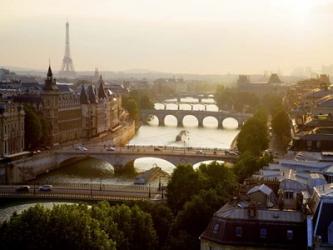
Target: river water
(95, 171)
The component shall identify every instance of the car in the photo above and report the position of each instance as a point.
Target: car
(157, 149)
(199, 152)
(45, 188)
(111, 149)
(81, 148)
(24, 188)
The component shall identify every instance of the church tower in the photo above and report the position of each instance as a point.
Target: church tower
(50, 97)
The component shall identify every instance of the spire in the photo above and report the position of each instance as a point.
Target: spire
(92, 95)
(50, 82)
(101, 91)
(49, 72)
(83, 96)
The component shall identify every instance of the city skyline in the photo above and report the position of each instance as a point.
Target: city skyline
(201, 37)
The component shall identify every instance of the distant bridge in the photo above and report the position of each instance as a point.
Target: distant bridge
(220, 116)
(192, 105)
(178, 97)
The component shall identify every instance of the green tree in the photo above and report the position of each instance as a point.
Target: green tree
(130, 227)
(248, 164)
(162, 219)
(184, 183)
(146, 103)
(281, 126)
(132, 107)
(194, 218)
(63, 227)
(253, 136)
(218, 177)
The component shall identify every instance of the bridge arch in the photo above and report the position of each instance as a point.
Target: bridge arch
(142, 164)
(230, 123)
(89, 166)
(188, 121)
(170, 120)
(153, 120)
(210, 122)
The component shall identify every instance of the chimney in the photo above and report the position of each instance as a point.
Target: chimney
(252, 210)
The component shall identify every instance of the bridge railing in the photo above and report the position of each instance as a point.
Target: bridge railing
(102, 186)
(72, 196)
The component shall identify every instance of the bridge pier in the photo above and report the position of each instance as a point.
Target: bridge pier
(240, 124)
(161, 121)
(220, 125)
(200, 123)
(180, 123)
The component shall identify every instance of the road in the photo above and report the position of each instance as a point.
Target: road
(154, 150)
(85, 192)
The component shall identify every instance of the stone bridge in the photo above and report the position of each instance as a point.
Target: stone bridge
(185, 95)
(220, 116)
(28, 168)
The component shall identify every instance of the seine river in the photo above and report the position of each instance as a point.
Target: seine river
(94, 171)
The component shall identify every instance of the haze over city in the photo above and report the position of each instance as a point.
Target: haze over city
(189, 36)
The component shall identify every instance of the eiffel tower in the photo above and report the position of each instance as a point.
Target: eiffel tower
(67, 69)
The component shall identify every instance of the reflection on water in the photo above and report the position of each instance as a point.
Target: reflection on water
(197, 165)
(143, 164)
(89, 170)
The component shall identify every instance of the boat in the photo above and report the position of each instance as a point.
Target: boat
(182, 136)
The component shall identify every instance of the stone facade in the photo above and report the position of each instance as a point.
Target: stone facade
(62, 109)
(100, 109)
(11, 128)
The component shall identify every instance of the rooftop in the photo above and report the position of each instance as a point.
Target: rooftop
(232, 211)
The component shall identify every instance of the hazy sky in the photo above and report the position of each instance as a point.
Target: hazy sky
(188, 36)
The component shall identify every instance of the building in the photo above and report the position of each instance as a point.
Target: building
(11, 128)
(317, 140)
(320, 226)
(323, 106)
(273, 85)
(61, 107)
(242, 223)
(100, 109)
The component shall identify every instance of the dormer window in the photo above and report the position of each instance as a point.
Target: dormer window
(290, 234)
(263, 233)
(239, 232)
(216, 228)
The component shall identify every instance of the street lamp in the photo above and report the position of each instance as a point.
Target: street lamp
(149, 194)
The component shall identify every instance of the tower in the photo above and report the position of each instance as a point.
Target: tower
(50, 100)
(67, 69)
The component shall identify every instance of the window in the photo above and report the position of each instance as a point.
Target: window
(238, 231)
(263, 233)
(216, 228)
(288, 195)
(290, 234)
